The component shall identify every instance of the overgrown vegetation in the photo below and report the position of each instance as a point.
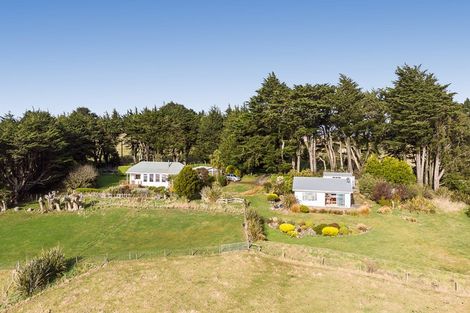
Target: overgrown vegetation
(40, 271)
(83, 176)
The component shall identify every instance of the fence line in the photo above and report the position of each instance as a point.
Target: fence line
(429, 279)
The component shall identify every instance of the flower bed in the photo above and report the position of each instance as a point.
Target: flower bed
(309, 229)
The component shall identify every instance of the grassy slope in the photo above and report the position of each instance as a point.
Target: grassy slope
(438, 241)
(112, 231)
(234, 282)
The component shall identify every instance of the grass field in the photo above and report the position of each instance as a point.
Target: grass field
(112, 231)
(438, 241)
(234, 282)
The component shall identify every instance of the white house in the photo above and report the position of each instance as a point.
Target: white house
(323, 192)
(341, 175)
(212, 171)
(153, 173)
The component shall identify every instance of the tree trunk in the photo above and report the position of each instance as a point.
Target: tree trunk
(438, 173)
(341, 161)
(348, 153)
(310, 144)
(299, 152)
(420, 158)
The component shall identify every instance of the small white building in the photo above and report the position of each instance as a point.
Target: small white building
(153, 174)
(323, 192)
(212, 171)
(341, 175)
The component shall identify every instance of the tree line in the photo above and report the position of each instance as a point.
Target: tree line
(280, 128)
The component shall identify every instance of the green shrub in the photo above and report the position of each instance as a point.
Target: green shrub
(419, 204)
(221, 180)
(121, 189)
(158, 190)
(272, 197)
(318, 228)
(39, 271)
(187, 183)
(309, 224)
(285, 227)
(304, 209)
(391, 169)
(385, 202)
(267, 186)
(367, 184)
(293, 233)
(87, 190)
(344, 230)
(467, 211)
(330, 231)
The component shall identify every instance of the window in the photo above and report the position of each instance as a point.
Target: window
(309, 196)
(145, 178)
(164, 178)
(157, 177)
(137, 176)
(340, 199)
(151, 178)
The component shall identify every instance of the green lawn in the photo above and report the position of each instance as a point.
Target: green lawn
(112, 231)
(105, 181)
(436, 241)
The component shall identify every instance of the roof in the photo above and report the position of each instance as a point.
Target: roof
(321, 184)
(337, 174)
(171, 168)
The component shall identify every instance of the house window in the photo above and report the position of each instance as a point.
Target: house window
(137, 176)
(151, 178)
(340, 199)
(145, 178)
(157, 177)
(309, 196)
(164, 178)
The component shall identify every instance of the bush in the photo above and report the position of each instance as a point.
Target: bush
(384, 210)
(288, 200)
(121, 189)
(382, 191)
(267, 187)
(330, 231)
(87, 190)
(255, 226)
(83, 176)
(293, 233)
(308, 224)
(286, 227)
(367, 184)
(319, 228)
(404, 192)
(272, 197)
(158, 190)
(391, 169)
(221, 180)
(295, 208)
(419, 204)
(385, 202)
(467, 211)
(344, 230)
(304, 209)
(204, 176)
(187, 183)
(362, 227)
(211, 194)
(39, 272)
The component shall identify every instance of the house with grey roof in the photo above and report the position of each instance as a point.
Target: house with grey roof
(341, 175)
(323, 191)
(153, 174)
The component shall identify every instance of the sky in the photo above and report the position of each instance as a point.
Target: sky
(58, 55)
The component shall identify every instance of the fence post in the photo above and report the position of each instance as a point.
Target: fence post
(456, 286)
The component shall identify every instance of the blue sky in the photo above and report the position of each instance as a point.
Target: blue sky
(57, 55)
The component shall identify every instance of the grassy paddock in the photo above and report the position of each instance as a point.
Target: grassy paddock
(235, 282)
(438, 241)
(112, 231)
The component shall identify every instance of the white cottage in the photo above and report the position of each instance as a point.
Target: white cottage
(341, 175)
(323, 192)
(153, 173)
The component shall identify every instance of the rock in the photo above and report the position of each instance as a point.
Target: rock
(16, 209)
(29, 210)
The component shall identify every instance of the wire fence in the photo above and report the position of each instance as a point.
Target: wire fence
(425, 278)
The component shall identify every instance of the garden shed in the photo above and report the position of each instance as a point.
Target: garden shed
(323, 192)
